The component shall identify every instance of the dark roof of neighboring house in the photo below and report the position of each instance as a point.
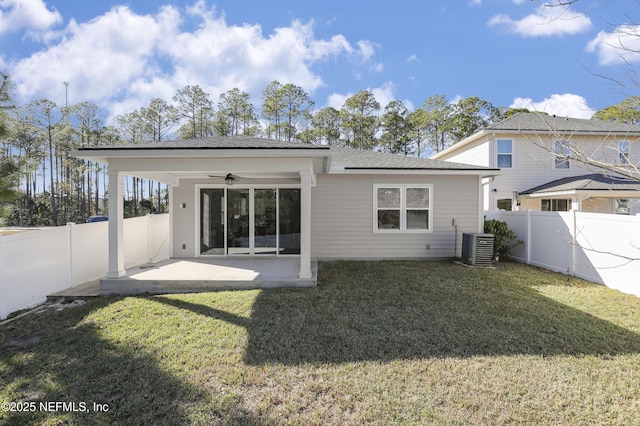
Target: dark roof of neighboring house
(538, 122)
(592, 182)
(347, 158)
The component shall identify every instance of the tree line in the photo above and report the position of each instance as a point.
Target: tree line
(54, 188)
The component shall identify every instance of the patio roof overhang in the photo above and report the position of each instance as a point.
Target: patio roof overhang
(584, 194)
(251, 158)
(171, 165)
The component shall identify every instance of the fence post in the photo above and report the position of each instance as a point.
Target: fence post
(70, 226)
(529, 234)
(574, 244)
(150, 228)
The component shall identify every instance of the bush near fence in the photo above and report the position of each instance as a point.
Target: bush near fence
(601, 248)
(37, 263)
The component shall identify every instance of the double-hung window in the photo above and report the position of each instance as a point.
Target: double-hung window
(561, 150)
(399, 208)
(555, 205)
(504, 149)
(623, 152)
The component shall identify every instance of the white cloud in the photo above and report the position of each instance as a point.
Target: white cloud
(121, 60)
(379, 67)
(26, 14)
(101, 58)
(367, 49)
(475, 2)
(620, 46)
(412, 58)
(565, 105)
(383, 94)
(545, 21)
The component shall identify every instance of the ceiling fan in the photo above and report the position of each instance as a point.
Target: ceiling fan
(229, 178)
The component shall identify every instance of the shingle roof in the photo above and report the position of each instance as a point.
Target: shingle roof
(229, 142)
(342, 157)
(592, 182)
(358, 159)
(537, 122)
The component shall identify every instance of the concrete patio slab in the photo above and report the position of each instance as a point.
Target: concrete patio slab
(206, 274)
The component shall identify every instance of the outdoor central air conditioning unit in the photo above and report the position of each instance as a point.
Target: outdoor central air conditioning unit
(477, 249)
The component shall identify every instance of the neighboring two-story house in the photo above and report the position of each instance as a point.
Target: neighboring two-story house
(554, 163)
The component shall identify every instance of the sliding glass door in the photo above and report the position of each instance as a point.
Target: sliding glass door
(250, 221)
(238, 221)
(265, 221)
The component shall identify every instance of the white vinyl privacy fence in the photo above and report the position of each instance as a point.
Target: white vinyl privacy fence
(601, 248)
(36, 263)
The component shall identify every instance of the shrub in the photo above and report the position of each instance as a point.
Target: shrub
(504, 238)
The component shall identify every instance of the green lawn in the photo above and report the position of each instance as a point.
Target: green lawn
(375, 343)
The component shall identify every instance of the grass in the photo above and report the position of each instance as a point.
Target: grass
(375, 343)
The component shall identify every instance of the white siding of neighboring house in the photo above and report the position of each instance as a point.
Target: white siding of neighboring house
(477, 154)
(343, 218)
(533, 165)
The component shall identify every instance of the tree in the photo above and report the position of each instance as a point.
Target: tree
(235, 115)
(627, 111)
(297, 110)
(273, 109)
(158, 118)
(9, 168)
(326, 125)
(396, 129)
(359, 121)
(470, 115)
(432, 123)
(195, 106)
(48, 118)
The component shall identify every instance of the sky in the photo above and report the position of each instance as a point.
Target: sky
(512, 53)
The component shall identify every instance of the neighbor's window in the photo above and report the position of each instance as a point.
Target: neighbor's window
(555, 205)
(623, 152)
(402, 207)
(622, 206)
(561, 152)
(505, 204)
(505, 153)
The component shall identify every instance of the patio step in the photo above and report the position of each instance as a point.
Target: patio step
(127, 286)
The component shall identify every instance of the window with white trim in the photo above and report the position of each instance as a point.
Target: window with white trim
(555, 205)
(504, 150)
(623, 152)
(399, 208)
(561, 150)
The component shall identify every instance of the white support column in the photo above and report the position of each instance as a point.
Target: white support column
(116, 213)
(305, 224)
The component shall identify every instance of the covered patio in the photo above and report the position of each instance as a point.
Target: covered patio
(240, 213)
(207, 274)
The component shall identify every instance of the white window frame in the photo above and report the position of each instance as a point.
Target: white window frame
(498, 153)
(623, 153)
(554, 203)
(566, 147)
(403, 209)
(251, 188)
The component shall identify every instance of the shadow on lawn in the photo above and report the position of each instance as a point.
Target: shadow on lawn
(408, 310)
(65, 360)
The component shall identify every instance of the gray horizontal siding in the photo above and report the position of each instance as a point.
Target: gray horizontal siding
(342, 221)
(342, 218)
